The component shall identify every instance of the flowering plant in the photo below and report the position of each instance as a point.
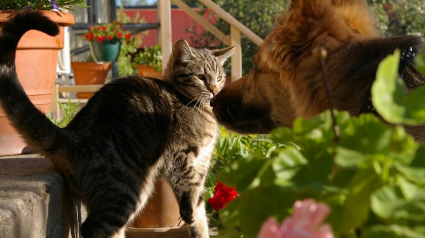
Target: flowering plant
(109, 31)
(50, 5)
(222, 195)
(372, 177)
(305, 222)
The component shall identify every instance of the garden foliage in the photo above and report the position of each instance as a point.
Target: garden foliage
(372, 178)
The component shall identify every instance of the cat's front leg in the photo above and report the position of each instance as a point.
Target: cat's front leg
(192, 211)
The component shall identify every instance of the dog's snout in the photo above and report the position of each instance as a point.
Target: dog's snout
(212, 102)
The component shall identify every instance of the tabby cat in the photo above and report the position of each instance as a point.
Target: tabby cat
(130, 132)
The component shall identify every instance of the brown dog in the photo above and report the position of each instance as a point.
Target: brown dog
(286, 79)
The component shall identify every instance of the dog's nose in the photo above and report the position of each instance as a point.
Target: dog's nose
(212, 101)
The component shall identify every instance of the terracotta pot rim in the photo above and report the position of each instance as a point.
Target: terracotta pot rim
(98, 63)
(156, 230)
(61, 18)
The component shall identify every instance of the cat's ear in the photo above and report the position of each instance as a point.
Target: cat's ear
(182, 50)
(223, 54)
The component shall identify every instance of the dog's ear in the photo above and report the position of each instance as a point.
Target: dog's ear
(348, 2)
(223, 54)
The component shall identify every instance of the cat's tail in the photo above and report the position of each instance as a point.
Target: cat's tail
(37, 130)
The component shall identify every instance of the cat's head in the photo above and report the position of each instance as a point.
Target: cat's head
(197, 74)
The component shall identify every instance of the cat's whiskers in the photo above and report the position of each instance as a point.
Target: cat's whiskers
(191, 101)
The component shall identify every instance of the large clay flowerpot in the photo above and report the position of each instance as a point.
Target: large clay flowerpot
(161, 216)
(89, 73)
(36, 60)
(105, 51)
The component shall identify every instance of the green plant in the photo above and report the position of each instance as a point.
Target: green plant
(150, 56)
(51, 5)
(372, 178)
(129, 47)
(69, 111)
(229, 149)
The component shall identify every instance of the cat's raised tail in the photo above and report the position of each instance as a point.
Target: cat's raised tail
(37, 130)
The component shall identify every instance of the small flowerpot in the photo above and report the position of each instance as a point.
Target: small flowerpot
(105, 51)
(89, 73)
(148, 71)
(160, 217)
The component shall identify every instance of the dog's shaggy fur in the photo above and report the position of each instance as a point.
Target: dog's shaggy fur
(286, 79)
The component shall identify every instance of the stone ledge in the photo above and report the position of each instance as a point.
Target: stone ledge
(34, 201)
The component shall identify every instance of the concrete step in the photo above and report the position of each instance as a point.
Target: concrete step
(34, 200)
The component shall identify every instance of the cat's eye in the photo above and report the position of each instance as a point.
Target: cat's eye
(201, 76)
(219, 78)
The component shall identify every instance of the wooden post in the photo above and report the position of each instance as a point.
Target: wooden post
(164, 31)
(236, 63)
(198, 18)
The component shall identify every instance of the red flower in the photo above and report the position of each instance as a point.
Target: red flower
(222, 195)
(108, 31)
(100, 38)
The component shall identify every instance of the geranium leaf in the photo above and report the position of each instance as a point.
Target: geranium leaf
(352, 209)
(389, 203)
(420, 63)
(393, 231)
(389, 95)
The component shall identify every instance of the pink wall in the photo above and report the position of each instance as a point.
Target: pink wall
(180, 22)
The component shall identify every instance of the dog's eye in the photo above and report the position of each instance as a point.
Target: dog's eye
(219, 78)
(201, 76)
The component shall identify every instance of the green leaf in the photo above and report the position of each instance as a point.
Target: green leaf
(415, 104)
(414, 174)
(348, 158)
(389, 204)
(351, 210)
(420, 63)
(250, 224)
(242, 173)
(408, 189)
(389, 95)
(393, 231)
(286, 164)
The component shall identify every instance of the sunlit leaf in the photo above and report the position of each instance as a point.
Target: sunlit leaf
(389, 203)
(420, 63)
(389, 95)
(393, 231)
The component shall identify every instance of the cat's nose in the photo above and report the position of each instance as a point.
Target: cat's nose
(212, 101)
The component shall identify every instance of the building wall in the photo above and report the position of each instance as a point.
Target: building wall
(180, 24)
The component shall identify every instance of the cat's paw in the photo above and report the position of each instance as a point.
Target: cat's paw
(187, 212)
(187, 215)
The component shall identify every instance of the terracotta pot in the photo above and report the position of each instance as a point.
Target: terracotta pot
(36, 60)
(148, 71)
(89, 73)
(160, 217)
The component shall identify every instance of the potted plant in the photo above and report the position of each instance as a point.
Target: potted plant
(105, 41)
(149, 62)
(35, 51)
(90, 72)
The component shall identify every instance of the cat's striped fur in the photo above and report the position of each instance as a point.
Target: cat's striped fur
(130, 132)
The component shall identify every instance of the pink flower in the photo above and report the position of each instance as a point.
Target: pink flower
(305, 222)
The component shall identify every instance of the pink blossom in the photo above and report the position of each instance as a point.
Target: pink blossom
(305, 222)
